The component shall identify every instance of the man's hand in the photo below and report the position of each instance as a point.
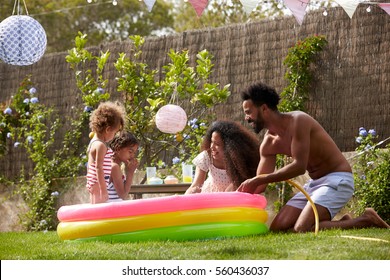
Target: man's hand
(248, 185)
(253, 185)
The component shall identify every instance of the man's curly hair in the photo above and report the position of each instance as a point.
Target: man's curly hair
(241, 149)
(261, 93)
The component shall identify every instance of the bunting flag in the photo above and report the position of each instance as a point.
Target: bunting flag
(349, 6)
(199, 5)
(385, 7)
(298, 8)
(249, 5)
(150, 4)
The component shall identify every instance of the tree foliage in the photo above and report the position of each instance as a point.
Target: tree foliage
(144, 94)
(220, 13)
(101, 20)
(299, 74)
(104, 22)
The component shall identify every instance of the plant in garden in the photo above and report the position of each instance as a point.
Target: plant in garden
(372, 174)
(299, 74)
(26, 121)
(32, 127)
(5, 114)
(181, 84)
(144, 94)
(92, 86)
(90, 82)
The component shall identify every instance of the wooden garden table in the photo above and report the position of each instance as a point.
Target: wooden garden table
(140, 189)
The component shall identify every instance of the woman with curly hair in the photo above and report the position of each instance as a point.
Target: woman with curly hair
(226, 159)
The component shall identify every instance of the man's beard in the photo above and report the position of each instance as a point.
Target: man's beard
(257, 125)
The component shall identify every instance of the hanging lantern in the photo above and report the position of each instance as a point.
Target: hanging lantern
(22, 40)
(171, 119)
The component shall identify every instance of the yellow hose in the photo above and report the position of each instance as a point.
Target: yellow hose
(317, 220)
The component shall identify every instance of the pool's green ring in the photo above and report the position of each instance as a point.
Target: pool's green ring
(186, 232)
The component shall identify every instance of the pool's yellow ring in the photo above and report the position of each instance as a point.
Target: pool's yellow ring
(186, 232)
(84, 229)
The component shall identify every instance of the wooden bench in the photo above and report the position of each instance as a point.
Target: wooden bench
(141, 189)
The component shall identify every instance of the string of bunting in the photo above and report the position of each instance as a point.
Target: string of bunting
(297, 7)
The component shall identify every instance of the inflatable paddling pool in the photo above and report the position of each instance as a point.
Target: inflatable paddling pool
(178, 217)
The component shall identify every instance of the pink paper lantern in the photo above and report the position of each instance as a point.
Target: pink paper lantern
(171, 119)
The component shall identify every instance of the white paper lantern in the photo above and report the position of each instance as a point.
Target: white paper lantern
(22, 40)
(171, 119)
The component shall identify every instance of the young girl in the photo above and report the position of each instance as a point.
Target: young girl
(125, 147)
(227, 158)
(105, 122)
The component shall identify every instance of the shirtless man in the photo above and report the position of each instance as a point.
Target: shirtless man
(299, 136)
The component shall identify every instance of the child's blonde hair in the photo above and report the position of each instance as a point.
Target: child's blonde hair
(107, 114)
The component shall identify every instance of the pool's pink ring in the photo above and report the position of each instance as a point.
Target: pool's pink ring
(85, 212)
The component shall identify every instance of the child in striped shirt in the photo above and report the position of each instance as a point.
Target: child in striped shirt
(125, 148)
(105, 122)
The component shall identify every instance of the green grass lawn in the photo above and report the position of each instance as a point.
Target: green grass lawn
(362, 244)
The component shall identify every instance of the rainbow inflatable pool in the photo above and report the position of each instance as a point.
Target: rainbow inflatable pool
(179, 218)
